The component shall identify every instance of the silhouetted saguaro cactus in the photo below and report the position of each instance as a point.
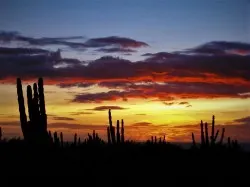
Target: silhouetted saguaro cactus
(23, 117)
(111, 128)
(202, 134)
(122, 132)
(42, 104)
(118, 131)
(212, 133)
(34, 130)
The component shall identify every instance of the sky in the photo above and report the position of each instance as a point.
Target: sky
(162, 66)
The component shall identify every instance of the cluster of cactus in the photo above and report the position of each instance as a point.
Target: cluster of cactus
(56, 139)
(117, 137)
(207, 141)
(160, 140)
(93, 139)
(34, 130)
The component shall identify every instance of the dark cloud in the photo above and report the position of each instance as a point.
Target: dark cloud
(7, 37)
(22, 51)
(115, 41)
(169, 103)
(141, 114)
(165, 92)
(103, 108)
(117, 44)
(81, 113)
(160, 57)
(63, 118)
(181, 75)
(99, 97)
(222, 48)
(245, 120)
(185, 68)
(116, 84)
(116, 50)
(141, 124)
(189, 106)
(80, 85)
(183, 103)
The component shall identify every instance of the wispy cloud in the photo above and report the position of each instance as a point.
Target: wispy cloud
(103, 108)
(122, 42)
(63, 118)
(81, 113)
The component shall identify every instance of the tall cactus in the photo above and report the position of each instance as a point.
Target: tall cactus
(23, 117)
(34, 130)
(122, 132)
(118, 131)
(212, 133)
(205, 139)
(202, 134)
(111, 128)
(42, 104)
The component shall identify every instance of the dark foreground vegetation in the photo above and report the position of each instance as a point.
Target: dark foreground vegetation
(214, 160)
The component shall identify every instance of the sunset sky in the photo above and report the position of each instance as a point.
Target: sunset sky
(161, 65)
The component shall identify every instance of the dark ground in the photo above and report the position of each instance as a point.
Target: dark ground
(129, 164)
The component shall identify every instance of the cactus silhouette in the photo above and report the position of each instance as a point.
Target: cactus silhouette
(122, 132)
(111, 128)
(213, 138)
(202, 134)
(118, 131)
(34, 130)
